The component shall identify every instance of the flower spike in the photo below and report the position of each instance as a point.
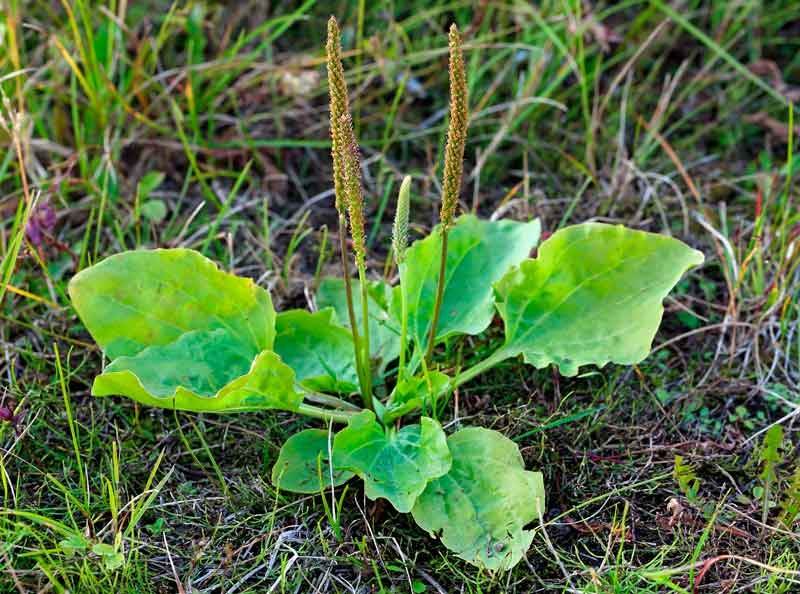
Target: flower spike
(400, 228)
(339, 105)
(453, 167)
(354, 194)
(456, 132)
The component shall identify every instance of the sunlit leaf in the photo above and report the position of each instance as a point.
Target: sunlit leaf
(144, 298)
(202, 372)
(480, 507)
(395, 465)
(592, 295)
(479, 253)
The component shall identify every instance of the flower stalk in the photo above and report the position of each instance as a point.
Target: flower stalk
(349, 203)
(399, 245)
(355, 207)
(453, 167)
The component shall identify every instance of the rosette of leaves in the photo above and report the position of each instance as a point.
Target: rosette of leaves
(180, 333)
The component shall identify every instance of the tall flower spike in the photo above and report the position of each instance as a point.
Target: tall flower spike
(354, 195)
(400, 229)
(453, 168)
(456, 132)
(337, 88)
(347, 187)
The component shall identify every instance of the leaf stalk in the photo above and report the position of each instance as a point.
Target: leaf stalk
(336, 416)
(495, 358)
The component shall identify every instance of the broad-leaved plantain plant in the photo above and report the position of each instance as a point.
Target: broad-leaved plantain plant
(182, 334)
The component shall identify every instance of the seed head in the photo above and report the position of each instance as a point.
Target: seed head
(456, 131)
(337, 88)
(400, 229)
(354, 196)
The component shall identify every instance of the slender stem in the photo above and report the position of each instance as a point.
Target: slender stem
(496, 357)
(351, 311)
(439, 293)
(337, 416)
(331, 401)
(400, 411)
(401, 367)
(426, 374)
(365, 352)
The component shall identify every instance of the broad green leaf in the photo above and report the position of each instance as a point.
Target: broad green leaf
(384, 330)
(303, 466)
(318, 349)
(593, 295)
(478, 254)
(202, 372)
(395, 465)
(416, 392)
(200, 361)
(480, 508)
(144, 298)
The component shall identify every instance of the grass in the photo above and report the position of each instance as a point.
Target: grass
(677, 117)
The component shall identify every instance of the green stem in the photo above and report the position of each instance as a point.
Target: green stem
(331, 401)
(439, 294)
(337, 416)
(401, 411)
(496, 357)
(366, 392)
(401, 367)
(351, 311)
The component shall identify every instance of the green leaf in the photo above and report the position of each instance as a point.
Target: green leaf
(154, 210)
(146, 298)
(478, 254)
(416, 392)
(318, 349)
(384, 330)
(202, 372)
(149, 182)
(395, 465)
(303, 466)
(593, 295)
(72, 544)
(112, 559)
(480, 507)
(200, 361)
